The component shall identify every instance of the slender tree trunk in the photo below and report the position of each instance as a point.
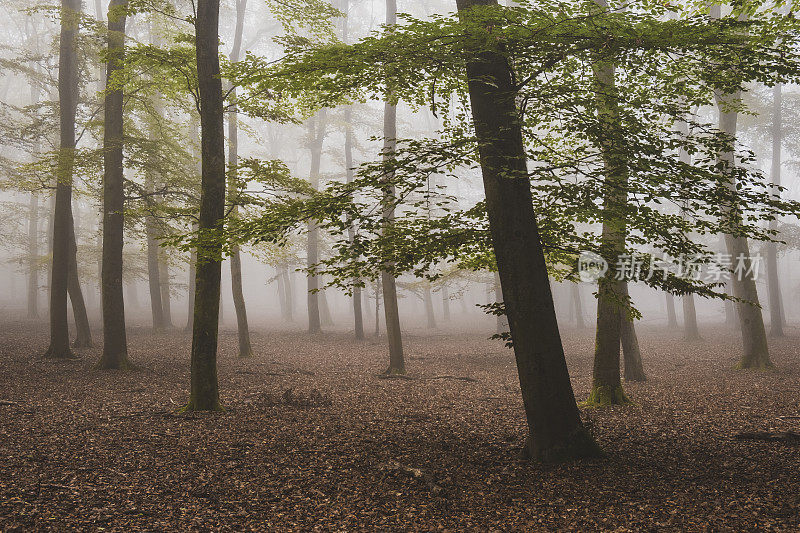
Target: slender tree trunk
(164, 287)
(192, 285)
(377, 308)
(358, 316)
(632, 355)
(243, 329)
(501, 322)
(62, 213)
(115, 343)
(317, 136)
(153, 274)
(672, 318)
(606, 381)
(776, 318)
(33, 257)
(204, 385)
(556, 430)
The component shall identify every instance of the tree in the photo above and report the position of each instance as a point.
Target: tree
(204, 394)
(358, 317)
(751, 322)
(115, 344)
(556, 430)
(245, 348)
(316, 132)
(632, 355)
(776, 317)
(611, 293)
(63, 253)
(397, 364)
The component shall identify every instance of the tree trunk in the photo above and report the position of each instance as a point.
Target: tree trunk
(445, 303)
(501, 322)
(751, 323)
(317, 136)
(324, 309)
(33, 257)
(153, 274)
(690, 330)
(556, 430)
(672, 318)
(606, 382)
(580, 323)
(632, 355)
(242, 327)
(358, 314)
(431, 316)
(378, 308)
(62, 213)
(192, 286)
(115, 343)
(204, 385)
(83, 338)
(164, 287)
(776, 318)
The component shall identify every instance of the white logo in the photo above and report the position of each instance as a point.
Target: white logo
(591, 266)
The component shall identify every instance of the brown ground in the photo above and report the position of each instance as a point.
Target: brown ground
(84, 449)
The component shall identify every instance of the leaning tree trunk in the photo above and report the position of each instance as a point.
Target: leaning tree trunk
(204, 394)
(83, 337)
(606, 381)
(243, 329)
(773, 281)
(556, 430)
(317, 134)
(62, 213)
(632, 355)
(115, 343)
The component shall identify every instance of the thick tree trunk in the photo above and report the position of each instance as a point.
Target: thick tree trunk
(115, 344)
(204, 385)
(632, 355)
(690, 330)
(242, 327)
(776, 317)
(62, 213)
(317, 137)
(556, 430)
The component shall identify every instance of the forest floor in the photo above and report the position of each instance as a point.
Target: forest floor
(344, 450)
